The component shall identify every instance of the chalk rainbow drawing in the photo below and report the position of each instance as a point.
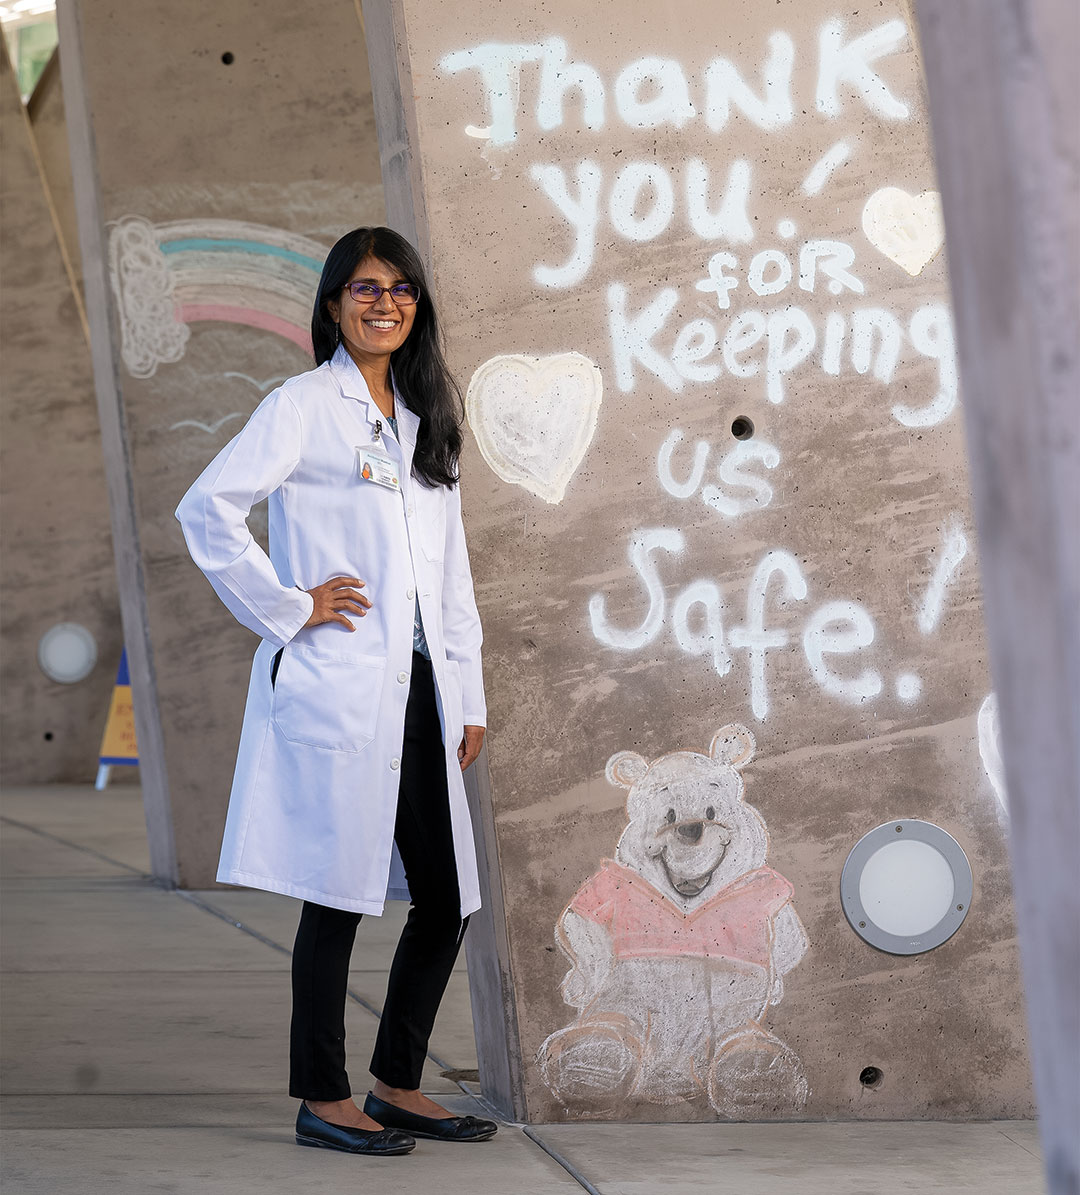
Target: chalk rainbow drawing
(167, 276)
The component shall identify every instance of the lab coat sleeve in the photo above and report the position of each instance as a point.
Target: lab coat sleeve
(213, 515)
(461, 622)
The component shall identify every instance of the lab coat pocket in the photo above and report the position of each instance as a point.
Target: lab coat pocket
(431, 509)
(328, 701)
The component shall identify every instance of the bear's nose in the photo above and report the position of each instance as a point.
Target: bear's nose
(691, 831)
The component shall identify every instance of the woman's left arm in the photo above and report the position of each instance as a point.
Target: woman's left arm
(462, 635)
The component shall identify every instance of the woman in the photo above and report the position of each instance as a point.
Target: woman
(366, 700)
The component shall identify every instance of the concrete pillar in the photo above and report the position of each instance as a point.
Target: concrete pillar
(54, 537)
(1004, 99)
(689, 264)
(208, 186)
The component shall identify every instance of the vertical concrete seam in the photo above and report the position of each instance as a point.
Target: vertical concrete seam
(122, 507)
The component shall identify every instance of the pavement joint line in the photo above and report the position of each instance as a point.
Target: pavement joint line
(214, 911)
(565, 1163)
(1020, 1144)
(86, 850)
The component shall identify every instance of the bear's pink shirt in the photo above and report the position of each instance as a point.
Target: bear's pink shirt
(735, 924)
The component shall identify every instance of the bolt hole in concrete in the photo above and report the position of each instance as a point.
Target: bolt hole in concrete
(742, 428)
(871, 1076)
(227, 58)
(48, 736)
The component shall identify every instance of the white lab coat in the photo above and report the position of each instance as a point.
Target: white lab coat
(314, 795)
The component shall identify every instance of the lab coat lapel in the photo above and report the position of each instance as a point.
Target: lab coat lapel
(351, 382)
(352, 385)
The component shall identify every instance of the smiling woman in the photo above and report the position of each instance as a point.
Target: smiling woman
(366, 700)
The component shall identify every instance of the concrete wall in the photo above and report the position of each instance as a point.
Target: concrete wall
(45, 108)
(223, 150)
(54, 536)
(631, 273)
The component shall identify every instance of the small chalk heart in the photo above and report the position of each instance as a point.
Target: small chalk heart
(534, 418)
(907, 229)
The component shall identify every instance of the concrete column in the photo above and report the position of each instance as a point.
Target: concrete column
(218, 151)
(689, 266)
(1004, 99)
(54, 536)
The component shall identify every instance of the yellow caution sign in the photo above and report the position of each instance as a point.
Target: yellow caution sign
(118, 745)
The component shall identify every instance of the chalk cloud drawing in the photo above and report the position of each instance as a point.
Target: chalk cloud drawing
(534, 418)
(990, 749)
(907, 229)
(142, 283)
(678, 947)
(166, 276)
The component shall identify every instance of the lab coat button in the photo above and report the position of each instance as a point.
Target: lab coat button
(409, 512)
(402, 677)
(410, 593)
(395, 764)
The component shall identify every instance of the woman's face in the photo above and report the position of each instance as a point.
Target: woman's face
(373, 329)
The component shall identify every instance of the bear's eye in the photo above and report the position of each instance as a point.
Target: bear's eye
(670, 816)
(710, 813)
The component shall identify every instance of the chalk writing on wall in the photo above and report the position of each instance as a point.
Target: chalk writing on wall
(989, 727)
(678, 948)
(779, 303)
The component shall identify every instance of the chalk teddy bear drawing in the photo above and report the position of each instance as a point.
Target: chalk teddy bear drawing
(678, 947)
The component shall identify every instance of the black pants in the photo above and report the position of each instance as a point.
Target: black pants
(428, 945)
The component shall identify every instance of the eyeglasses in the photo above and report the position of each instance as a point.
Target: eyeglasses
(404, 294)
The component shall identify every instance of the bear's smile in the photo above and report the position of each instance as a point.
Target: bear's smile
(685, 877)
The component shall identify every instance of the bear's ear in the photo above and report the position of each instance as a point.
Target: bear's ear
(626, 768)
(733, 744)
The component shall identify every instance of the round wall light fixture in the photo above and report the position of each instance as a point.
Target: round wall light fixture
(67, 653)
(906, 887)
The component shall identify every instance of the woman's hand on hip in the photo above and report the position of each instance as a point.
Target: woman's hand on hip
(335, 596)
(470, 745)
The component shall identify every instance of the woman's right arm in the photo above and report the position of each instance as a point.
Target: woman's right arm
(213, 515)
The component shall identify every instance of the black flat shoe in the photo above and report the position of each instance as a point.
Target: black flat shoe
(454, 1128)
(320, 1134)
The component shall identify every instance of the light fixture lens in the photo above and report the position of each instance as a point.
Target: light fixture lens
(906, 887)
(67, 653)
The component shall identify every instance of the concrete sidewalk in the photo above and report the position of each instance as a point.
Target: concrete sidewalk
(144, 1041)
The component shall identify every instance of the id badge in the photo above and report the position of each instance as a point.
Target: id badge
(375, 466)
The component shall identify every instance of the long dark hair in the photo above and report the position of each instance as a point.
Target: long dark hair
(420, 371)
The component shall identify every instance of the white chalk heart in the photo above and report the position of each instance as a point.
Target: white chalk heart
(908, 229)
(534, 418)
